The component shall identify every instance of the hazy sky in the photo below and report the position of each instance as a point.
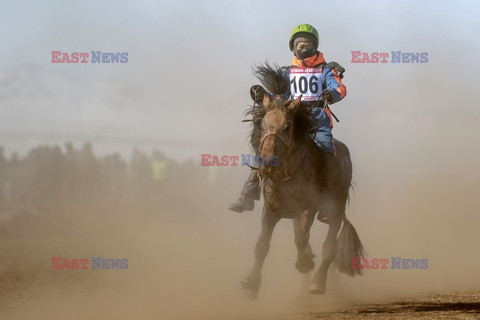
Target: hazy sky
(186, 83)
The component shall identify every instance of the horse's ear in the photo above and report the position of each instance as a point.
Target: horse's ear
(293, 107)
(266, 101)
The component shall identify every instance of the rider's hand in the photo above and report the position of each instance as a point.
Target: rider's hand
(257, 92)
(327, 96)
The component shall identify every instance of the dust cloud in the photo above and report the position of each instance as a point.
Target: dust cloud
(187, 253)
(138, 191)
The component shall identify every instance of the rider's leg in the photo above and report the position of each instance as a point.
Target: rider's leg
(251, 188)
(250, 192)
(323, 138)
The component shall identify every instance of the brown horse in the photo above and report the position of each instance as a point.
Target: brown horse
(296, 188)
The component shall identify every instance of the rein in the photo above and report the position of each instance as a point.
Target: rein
(289, 147)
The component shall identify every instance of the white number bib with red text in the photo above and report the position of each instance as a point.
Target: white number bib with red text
(306, 82)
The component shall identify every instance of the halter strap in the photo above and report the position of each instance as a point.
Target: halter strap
(276, 136)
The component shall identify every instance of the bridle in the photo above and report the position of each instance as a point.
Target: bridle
(289, 149)
(270, 134)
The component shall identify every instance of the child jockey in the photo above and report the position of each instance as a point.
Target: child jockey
(314, 80)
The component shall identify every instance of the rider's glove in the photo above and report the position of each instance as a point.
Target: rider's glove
(257, 92)
(327, 96)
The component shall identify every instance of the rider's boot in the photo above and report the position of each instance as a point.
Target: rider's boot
(331, 163)
(250, 192)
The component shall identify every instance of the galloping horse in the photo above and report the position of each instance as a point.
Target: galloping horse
(296, 187)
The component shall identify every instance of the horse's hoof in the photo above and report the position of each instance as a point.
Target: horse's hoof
(317, 289)
(248, 294)
(247, 291)
(305, 266)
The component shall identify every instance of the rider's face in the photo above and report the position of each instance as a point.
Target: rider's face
(304, 49)
(304, 45)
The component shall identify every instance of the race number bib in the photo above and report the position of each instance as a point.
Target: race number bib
(306, 82)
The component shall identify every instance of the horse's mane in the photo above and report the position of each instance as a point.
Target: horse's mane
(274, 81)
(272, 78)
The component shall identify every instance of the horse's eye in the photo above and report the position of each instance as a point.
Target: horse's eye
(287, 127)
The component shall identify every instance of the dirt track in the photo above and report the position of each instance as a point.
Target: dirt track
(186, 263)
(458, 305)
(30, 288)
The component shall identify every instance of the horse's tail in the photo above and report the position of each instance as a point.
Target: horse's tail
(348, 246)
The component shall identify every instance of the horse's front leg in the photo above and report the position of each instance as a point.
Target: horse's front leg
(302, 227)
(252, 284)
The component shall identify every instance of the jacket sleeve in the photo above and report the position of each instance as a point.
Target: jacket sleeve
(333, 83)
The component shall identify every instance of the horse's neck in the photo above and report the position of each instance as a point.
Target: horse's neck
(303, 150)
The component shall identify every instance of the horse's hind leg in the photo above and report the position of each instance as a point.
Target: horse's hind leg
(302, 227)
(252, 284)
(328, 254)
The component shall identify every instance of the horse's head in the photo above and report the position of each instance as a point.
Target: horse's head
(278, 124)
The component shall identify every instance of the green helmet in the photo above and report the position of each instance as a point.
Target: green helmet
(303, 30)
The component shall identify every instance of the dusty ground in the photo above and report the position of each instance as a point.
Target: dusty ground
(187, 258)
(177, 271)
(457, 305)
